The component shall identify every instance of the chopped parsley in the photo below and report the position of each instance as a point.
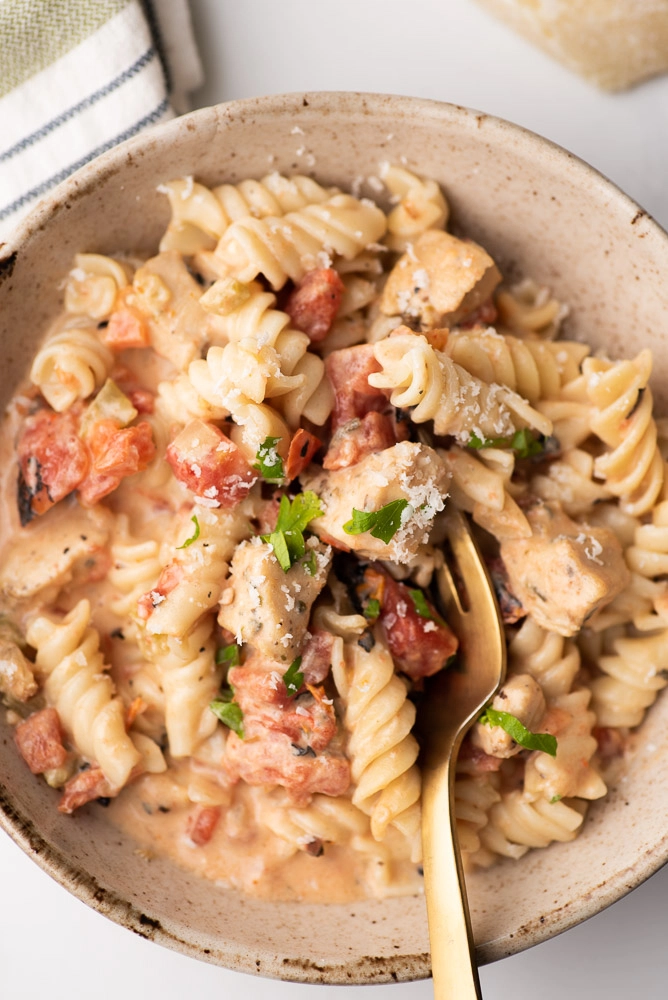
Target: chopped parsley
(228, 655)
(293, 678)
(512, 725)
(228, 712)
(383, 523)
(268, 462)
(372, 608)
(194, 536)
(293, 517)
(524, 442)
(310, 563)
(555, 798)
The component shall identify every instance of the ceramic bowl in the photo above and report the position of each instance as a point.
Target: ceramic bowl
(540, 212)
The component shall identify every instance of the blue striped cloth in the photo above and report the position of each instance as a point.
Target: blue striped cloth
(76, 78)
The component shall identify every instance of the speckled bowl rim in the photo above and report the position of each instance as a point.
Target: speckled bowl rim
(19, 827)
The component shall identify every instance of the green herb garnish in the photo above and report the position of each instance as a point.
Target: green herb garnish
(372, 609)
(194, 536)
(524, 442)
(228, 655)
(555, 798)
(293, 517)
(268, 462)
(293, 678)
(228, 712)
(383, 523)
(512, 725)
(422, 607)
(310, 563)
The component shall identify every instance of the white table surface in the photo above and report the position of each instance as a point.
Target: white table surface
(53, 946)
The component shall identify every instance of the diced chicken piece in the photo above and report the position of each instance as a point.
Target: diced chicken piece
(521, 696)
(441, 280)
(270, 608)
(17, 680)
(565, 571)
(67, 544)
(473, 760)
(408, 471)
(275, 761)
(40, 741)
(168, 296)
(210, 465)
(420, 644)
(202, 823)
(314, 303)
(86, 786)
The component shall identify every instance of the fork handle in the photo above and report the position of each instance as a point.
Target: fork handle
(452, 950)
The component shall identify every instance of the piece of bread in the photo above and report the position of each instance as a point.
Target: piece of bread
(613, 43)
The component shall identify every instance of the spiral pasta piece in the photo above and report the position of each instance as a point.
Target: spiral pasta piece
(201, 215)
(535, 369)
(515, 824)
(483, 491)
(474, 795)
(71, 365)
(648, 555)
(190, 681)
(570, 480)
(570, 773)
(68, 653)
(632, 468)
(197, 571)
(381, 749)
(135, 568)
(529, 310)
(441, 390)
(325, 820)
(93, 285)
(287, 247)
(421, 206)
(264, 358)
(549, 658)
(633, 677)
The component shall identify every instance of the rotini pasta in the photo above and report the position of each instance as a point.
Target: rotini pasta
(71, 365)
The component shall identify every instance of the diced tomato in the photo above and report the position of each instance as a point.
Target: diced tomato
(84, 787)
(201, 824)
(263, 698)
(116, 452)
(302, 449)
(348, 371)
(314, 303)
(317, 656)
(210, 465)
(142, 400)
(40, 741)
(53, 461)
(420, 646)
(127, 327)
(276, 761)
(358, 438)
(167, 581)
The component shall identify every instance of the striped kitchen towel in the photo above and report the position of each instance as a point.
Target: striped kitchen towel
(79, 76)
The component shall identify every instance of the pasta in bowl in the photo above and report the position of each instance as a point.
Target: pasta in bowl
(233, 453)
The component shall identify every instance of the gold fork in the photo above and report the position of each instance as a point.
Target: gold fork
(455, 698)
